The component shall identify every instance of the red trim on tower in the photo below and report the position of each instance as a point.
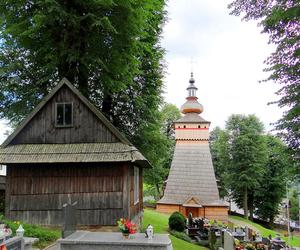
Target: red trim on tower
(191, 128)
(192, 98)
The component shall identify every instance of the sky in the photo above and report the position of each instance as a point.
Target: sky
(228, 57)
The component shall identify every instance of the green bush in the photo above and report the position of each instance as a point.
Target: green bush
(181, 235)
(45, 235)
(177, 222)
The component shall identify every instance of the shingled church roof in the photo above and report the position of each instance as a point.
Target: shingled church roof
(191, 175)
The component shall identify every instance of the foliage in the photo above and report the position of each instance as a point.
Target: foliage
(181, 235)
(218, 143)
(247, 156)
(177, 222)
(126, 226)
(109, 50)
(159, 221)
(45, 235)
(271, 190)
(294, 210)
(281, 21)
(158, 144)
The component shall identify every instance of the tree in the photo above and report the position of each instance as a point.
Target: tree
(160, 147)
(108, 49)
(218, 143)
(281, 21)
(271, 190)
(247, 154)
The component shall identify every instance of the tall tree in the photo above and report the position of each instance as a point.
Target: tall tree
(160, 147)
(271, 190)
(280, 19)
(247, 154)
(218, 143)
(108, 49)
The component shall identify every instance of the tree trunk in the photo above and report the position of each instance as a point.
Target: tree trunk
(251, 213)
(158, 191)
(107, 105)
(246, 203)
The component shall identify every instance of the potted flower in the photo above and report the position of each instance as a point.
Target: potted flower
(126, 227)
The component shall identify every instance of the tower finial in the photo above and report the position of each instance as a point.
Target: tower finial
(191, 105)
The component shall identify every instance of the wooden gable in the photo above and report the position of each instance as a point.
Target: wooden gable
(192, 201)
(88, 126)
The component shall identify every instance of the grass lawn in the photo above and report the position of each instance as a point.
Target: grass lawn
(160, 223)
(266, 232)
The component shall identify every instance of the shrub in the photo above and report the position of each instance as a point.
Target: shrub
(177, 222)
(181, 235)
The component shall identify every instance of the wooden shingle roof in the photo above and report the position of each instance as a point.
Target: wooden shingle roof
(191, 118)
(75, 152)
(191, 175)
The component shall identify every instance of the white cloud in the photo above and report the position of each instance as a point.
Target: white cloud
(229, 55)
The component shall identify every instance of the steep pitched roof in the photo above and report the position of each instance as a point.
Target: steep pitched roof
(65, 82)
(191, 175)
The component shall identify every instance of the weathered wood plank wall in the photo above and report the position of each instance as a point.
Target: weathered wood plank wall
(37, 192)
(86, 126)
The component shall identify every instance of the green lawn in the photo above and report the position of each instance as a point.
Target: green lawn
(160, 223)
(266, 232)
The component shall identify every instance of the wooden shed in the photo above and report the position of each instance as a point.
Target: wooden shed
(67, 151)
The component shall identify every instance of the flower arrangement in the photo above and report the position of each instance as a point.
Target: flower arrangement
(126, 226)
(250, 246)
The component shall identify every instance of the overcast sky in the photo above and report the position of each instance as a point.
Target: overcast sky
(229, 57)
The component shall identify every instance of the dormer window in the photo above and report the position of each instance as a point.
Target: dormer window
(64, 114)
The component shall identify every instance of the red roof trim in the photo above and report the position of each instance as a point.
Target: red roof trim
(191, 128)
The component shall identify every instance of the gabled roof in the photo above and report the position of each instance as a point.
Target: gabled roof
(65, 82)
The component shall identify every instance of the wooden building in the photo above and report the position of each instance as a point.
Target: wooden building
(67, 151)
(191, 186)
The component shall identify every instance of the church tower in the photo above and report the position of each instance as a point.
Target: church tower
(191, 185)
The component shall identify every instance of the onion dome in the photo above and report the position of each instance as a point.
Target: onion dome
(191, 105)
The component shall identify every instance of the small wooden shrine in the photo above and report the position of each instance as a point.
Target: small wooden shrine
(67, 151)
(191, 186)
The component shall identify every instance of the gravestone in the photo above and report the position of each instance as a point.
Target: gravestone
(15, 243)
(69, 219)
(228, 241)
(200, 224)
(247, 234)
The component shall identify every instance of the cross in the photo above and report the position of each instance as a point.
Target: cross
(192, 62)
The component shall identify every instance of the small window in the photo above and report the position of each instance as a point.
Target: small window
(178, 126)
(199, 126)
(184, 126)
(136, 185)
(64, 114)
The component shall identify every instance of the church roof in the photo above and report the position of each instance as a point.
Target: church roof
(191, 175)
(191, 118)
